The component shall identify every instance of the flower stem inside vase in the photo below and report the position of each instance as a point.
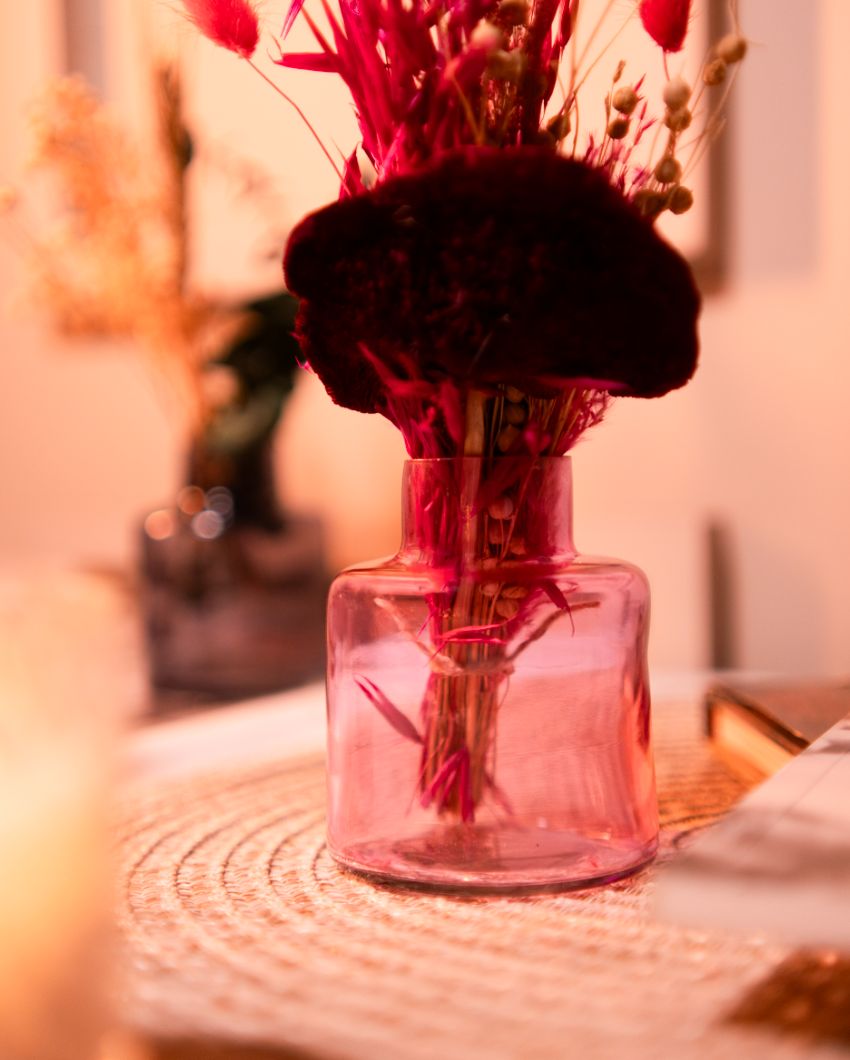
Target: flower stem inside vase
(488, 711)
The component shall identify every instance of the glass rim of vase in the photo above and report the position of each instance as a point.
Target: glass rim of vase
(489, 458)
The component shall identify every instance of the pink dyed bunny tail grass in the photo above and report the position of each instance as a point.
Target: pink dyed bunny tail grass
(231, 24)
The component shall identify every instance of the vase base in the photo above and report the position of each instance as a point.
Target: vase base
(496, 860)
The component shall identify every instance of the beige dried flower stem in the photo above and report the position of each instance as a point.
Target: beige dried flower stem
(301, 115)
(576, 88)
(714, 125)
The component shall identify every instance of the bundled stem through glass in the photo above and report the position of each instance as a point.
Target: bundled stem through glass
(478, 626)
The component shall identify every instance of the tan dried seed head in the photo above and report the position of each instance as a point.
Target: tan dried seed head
(676, 93)
(506, 66)
(501, 508)
(625, 99)
(732, 48)
(513, 12)
(487, 36)
(714, 73)
(618, 129)
(681, 200)
(678, 120)
(559, 126)
(515, 414)
(650, 203)
(507, 436)
(507, 608)
(668, 170)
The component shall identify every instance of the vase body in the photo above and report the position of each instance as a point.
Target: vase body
(488, 702)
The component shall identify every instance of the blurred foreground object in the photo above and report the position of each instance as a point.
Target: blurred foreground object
(780, 863)
(59, 715)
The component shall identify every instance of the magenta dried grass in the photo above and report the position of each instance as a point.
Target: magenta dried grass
(231, 24)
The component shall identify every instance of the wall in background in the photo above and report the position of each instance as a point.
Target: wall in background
(759, 442)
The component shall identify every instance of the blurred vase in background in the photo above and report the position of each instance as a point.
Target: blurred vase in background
(232, 586)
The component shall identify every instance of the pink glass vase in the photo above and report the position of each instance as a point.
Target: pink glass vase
(487, 692)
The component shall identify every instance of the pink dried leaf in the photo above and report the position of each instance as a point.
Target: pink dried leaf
(437, 791)
(231, 24)
(555, 594)
(565, 27)
(318, 62)
(472, 634)
(558, 598)
(666, 21)
(440, 780)
(291, 15)
(400, 722)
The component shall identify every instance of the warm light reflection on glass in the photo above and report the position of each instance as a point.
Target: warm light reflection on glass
(160, 525)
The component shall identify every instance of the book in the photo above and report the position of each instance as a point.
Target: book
(758, 728)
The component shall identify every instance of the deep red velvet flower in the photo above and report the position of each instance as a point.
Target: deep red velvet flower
(231, 24)
(666, 21)
(490, 266)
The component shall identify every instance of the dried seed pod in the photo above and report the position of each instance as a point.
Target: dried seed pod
(625, 100)
(618, 129)
(513, 12)
(506, 66)
(731, 49)
(650, 203)
(487, 36)
(681, 200)
(559, 126)
(515, 414)
(678, 120)
(714, 73)
(515, 592)
(501, 508)
(517, 546)
(676, 93)
(507, 437)
(507, 608)
(668, 170)
(512, 394)
(490, 589)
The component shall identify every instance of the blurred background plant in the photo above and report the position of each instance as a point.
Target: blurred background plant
(114, 263)
(226, 575)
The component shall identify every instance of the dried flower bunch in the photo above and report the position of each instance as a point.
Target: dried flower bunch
(490, 276)
(479, 234)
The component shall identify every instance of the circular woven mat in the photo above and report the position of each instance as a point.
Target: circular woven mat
(238, 925)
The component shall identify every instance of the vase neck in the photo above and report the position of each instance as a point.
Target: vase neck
(475, 509)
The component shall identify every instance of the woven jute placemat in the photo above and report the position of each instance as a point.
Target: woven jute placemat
(238, 927)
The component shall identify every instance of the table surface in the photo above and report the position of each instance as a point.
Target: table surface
(242, 939)
(240, 930)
